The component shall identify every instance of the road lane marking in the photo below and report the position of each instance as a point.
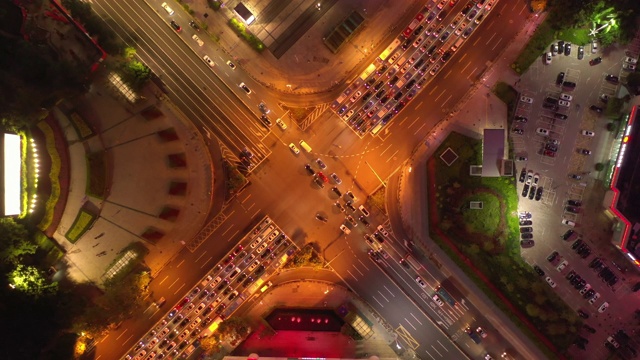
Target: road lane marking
(385, 150)
(488, 41)
(465, 67)
(388, 290)
(472, 72)
(475, 42)
(383, 296)
(392, 156)
(417, 106)
(124, 332)
(413, 122)
(436, 350)
(410, 324)
(496, 45)
(180, 263)
(447, 74)
(255, 214)
(199, 257)
(206, 262)
(463, 56)
(374, 298)
(353, 276)
(428, 353)
(252, 205)
(432, 90)
(442, 93)
(420, 128)
(232, 236)
(521, 10)
(358, 270)
(363, 264)
(445, 349)
(247, 198)
(419, 322)
(179, 289)
(449, 98)
(165, 278)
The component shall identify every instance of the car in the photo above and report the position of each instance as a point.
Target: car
(208, 60)
(521, 158)
(532, 193)
(613, 342)
(526, 236)
(523, 174)
(527, 229)
(521, 119)
(348, 114)
(542, 131)
(596, 108)
(547, 58)
(481, 332)
(472, 14)
(524, 222)
(421, 282)
(356, 96)
(197, 40)
(585, 151)
(551, 147)
(435, 69)
(583, 314)
(437, 300)
(580, 52)
(550, 100)
(554, 49)
(594, 298)
(567, 49)
(572, 209)
(550, 106)
(244, 87)
(294, 148)
(575, 176)
(352, 220)
(231, 65)
(587, 133)
(529, 177)
(603, 307)
(588, 294)
(167, 8)
(560, 116)
(265, 120)
(564, 103)
(563, 264)
(335, 178)
(526, 99)
(595, 61)
(630, 60)
(527, 243)
(567, 97)
(539, 193)
(538, 270)
(525, 190)
(345, 229)
(442, 14)
(612, 79)
(569, 85)
(570, 275)
(560, 78)
(550, 281)
(585, 289)
(175, 26)
(518, 131)
(322, 177)
(568, 222)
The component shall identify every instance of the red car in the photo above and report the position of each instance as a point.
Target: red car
(322, 177)
(549, 153)
(182, 303)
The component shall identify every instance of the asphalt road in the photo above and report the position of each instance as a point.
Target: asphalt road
(283, 189)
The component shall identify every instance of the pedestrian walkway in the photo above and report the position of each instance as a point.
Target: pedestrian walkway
(138, 179)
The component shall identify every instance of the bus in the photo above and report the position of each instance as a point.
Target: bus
(390, 49)
(413, 25)
(445, 295)
(368, 71)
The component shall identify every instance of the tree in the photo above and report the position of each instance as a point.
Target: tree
(14, 241)
(232, 329)
(29, 280)
(633, 82)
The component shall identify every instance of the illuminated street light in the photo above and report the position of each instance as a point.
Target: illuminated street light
(318, 6)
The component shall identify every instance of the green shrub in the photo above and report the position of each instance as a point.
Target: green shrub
(599, 166)
(214, 4)
(242, 31)
(537, 45)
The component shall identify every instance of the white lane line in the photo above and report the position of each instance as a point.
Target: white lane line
(177, 266)
(428, 353)
(445, 349)
(383, 296)
(374, 298)
(198, 259)
(442, 93)
(410, 324)
(444, 102)
(417, 106)
(420, 128)
(413, 122)
(496, 45)
(232, 236)
(124, 332)
(253, 217)
(465, 67)
(432, 90)
(353, 276)
(447, 74)
(206, 262)
(392, 156)
(436, 350)
(177, 291)
(419, 322)
(472, 72)
(173, 283)
(358, 270)
(252, 205)
(388, 290)
(245, 199)
(165, 278)
(363, 264)
(491, 38)
(385, 150)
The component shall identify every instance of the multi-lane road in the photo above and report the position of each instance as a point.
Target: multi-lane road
(211, 99)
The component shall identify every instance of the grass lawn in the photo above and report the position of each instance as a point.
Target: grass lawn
(538, 45)
(508, 95)
(80, 225)
(489, 238)
(575, 36)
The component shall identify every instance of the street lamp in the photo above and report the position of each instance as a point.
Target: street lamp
(318, 6)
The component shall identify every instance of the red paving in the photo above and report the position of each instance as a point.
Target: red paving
(298, 344)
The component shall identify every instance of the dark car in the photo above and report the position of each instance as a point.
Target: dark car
(523, 174)
(532, 193)
(551, 147)
(309, 169)
(550, 100)
(572, 209)
(583, 314)
(526, 236)
(589, 294)
(570, 275)
(597, 109)
(525, 222)
(576, 244)
(560, 116)
(612, 79)
(569, 85)
(518, 131)
(398, 107)
(550, 106)
(336, 190)
(175, 26)
(580, 52)
(538, 270)
(526, 229)
(418, 30)
(552, 256)
(539, 193)
(397, 96)
(446, 56)
(525, 190)
(527, 243)
(589, 328)
(567, 234)
(560, 78)
(410, 83)
(595, 61)
(567, 49)
(560, 47)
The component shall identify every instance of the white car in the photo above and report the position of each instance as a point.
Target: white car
(244, 87)
(281, 124)
(441, 4)
(209, 61)
(566, 97)
(421, 282)
(630, 60)
(382, 230)
(595, 297)
(603, 307)
(198, 40)
(613, 342)
(167, 8)
(564, 103)
(435, 69)
(563, 264)
(568, 223)
(356, 96)
(542, 131)
(550, 282)
(489, 6)
(436, 298)
(547, 58)
(345, 229)
(294, 148)
(594, 46)
(587, 133)
(231, 65)
(526, 99)
(629, 67)
(348, 115)
(529, 177)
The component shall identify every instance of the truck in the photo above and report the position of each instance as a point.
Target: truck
(445, 296)
(457, 44)
(413, 262)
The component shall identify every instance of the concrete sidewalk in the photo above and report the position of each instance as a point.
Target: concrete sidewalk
(138, 179)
